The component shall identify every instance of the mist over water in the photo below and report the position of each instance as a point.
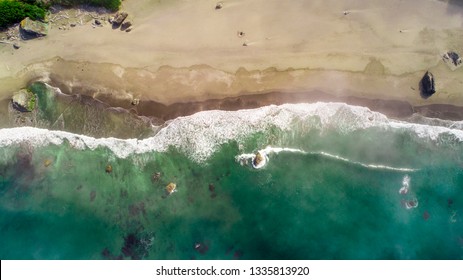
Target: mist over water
(340, 182)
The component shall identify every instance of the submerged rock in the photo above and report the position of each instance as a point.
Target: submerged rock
(427, 87)
(170, 188)
(109, 168)
(24, 101)
(34, 27)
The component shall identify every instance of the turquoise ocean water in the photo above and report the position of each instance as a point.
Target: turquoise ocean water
(340, 182)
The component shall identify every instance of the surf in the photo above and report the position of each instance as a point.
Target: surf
(200, 135)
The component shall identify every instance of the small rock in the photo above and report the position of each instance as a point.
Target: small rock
(24, 101)
(47, 162)
(126, 25)
(97, 22)
(171, 188)
(427, 87)
(135, 101)
(73, 25)
(108, 168)
(219, 6)
(111, 19)
(16, 46)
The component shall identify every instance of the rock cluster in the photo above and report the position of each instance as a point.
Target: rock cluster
(120, 20)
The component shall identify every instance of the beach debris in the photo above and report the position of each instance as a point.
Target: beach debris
(34, 27)
(426, 85)
(452, 59)
(47, 162)
(240, 34)
(171, 188)
(119, 19)
(219, 6)
(24, 101)
(109, 168)
(258, 159)
(245, 44)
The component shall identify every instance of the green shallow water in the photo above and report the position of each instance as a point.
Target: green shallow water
(299, 206)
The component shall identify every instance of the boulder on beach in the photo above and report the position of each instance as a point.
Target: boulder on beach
(24, 101)
(427, 87)
(126, 25)
(119, 18)
(452, 59)
(34, 27)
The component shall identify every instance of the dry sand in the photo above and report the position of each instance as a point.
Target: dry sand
(186, 51)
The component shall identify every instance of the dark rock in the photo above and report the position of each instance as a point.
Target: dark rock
(128, 29)
(24, 101)
(73, 25)
(427, 87)
(453, 58)
(126, 25)
(119, 18)
(34, 27)
(219, 6)
(97, 22)
(16, 46)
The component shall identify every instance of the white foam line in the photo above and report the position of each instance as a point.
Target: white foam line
(200, 135)
(269, 150)
(371, 166)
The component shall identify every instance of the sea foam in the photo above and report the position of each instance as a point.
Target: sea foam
(201, 134)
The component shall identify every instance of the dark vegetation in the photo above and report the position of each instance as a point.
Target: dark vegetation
(108, 4)
(13, 11)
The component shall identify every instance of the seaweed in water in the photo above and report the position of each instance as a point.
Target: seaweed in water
(136, 246)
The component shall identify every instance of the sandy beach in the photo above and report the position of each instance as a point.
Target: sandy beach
(188, 51)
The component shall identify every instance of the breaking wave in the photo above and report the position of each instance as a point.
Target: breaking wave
(201, 134)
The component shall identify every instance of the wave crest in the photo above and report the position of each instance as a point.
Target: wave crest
(201, 134)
